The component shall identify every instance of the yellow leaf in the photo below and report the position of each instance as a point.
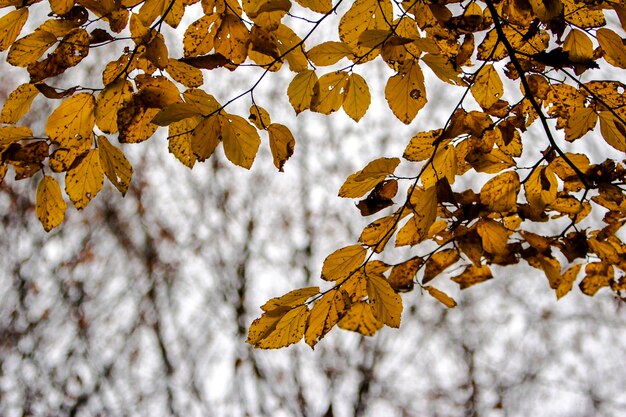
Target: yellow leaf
(262, 11)
(613, 130)
(499, 194)
(62, 159)
(71, 124)
(84, 180)
(494, 236)
(291, 47)
(319, 6)
(578, 46)
(329, 53)
(27, 50)
(108, 103)
(241, 140)
(18, 103)
(302, 89)
(278, 328)
(580, 122)
(402, 276)
(422, 145)
(386, 304)
(438, 262)
(424, 207)
(231, 39)
(364, 15)
(291, 299)
(441, 296)
(206, 136)
(72, 49)
(613, 47)
(360, 318)
(282, 144)
(115, 165)
(443, 68)
(597, 275)
(185, 74)
(378, 233)
(473, 275)
(150, 10)
(50, 204)
(11, 25)
(329, 92)
(443, 165)
(326, 312)
(364, 180)
(343, 262)
(200, 35)
(11, 134)
(541, 188)
(134, 122)
(259, 117)
(567, 281)
(405, 92)
(550, 266)
(180, 137)
(356, 97)
(487, 88)
(175, 113)
(60, 7)
(546, 10)
(205, 103)
(156, 52)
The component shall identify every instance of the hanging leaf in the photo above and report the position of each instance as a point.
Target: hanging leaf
(115, 165)
(441, 296)
(72, 123)
(356, 97)
(50, 204)
(386, 304)
(241, 140)
(18, 103)
(363, 181)
(302, 89)
(282, 144)
(343, 262)
(84, 181)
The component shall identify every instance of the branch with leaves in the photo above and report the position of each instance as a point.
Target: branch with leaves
(544, 47)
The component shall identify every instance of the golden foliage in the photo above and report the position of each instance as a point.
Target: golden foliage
(432, 209)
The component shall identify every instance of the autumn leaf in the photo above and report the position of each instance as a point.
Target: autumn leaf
(364, 180)
(343, 262)
(328, 53)
(277, 329)
(115, 165)
(386, 304)
(18, 103)
(440, 296)
(241, 140)
(356, 97)
(50, 204)
(500, 192)
(71, 124)
(487, 88)
(108, 103)
(10, 26)
(405, 92)
(360, 318)
(302, 89)
(84, 181)
(282, 144)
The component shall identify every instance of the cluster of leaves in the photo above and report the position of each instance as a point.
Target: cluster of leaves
(543, 46)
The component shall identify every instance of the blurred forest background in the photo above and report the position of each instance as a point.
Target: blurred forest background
(140, 305)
